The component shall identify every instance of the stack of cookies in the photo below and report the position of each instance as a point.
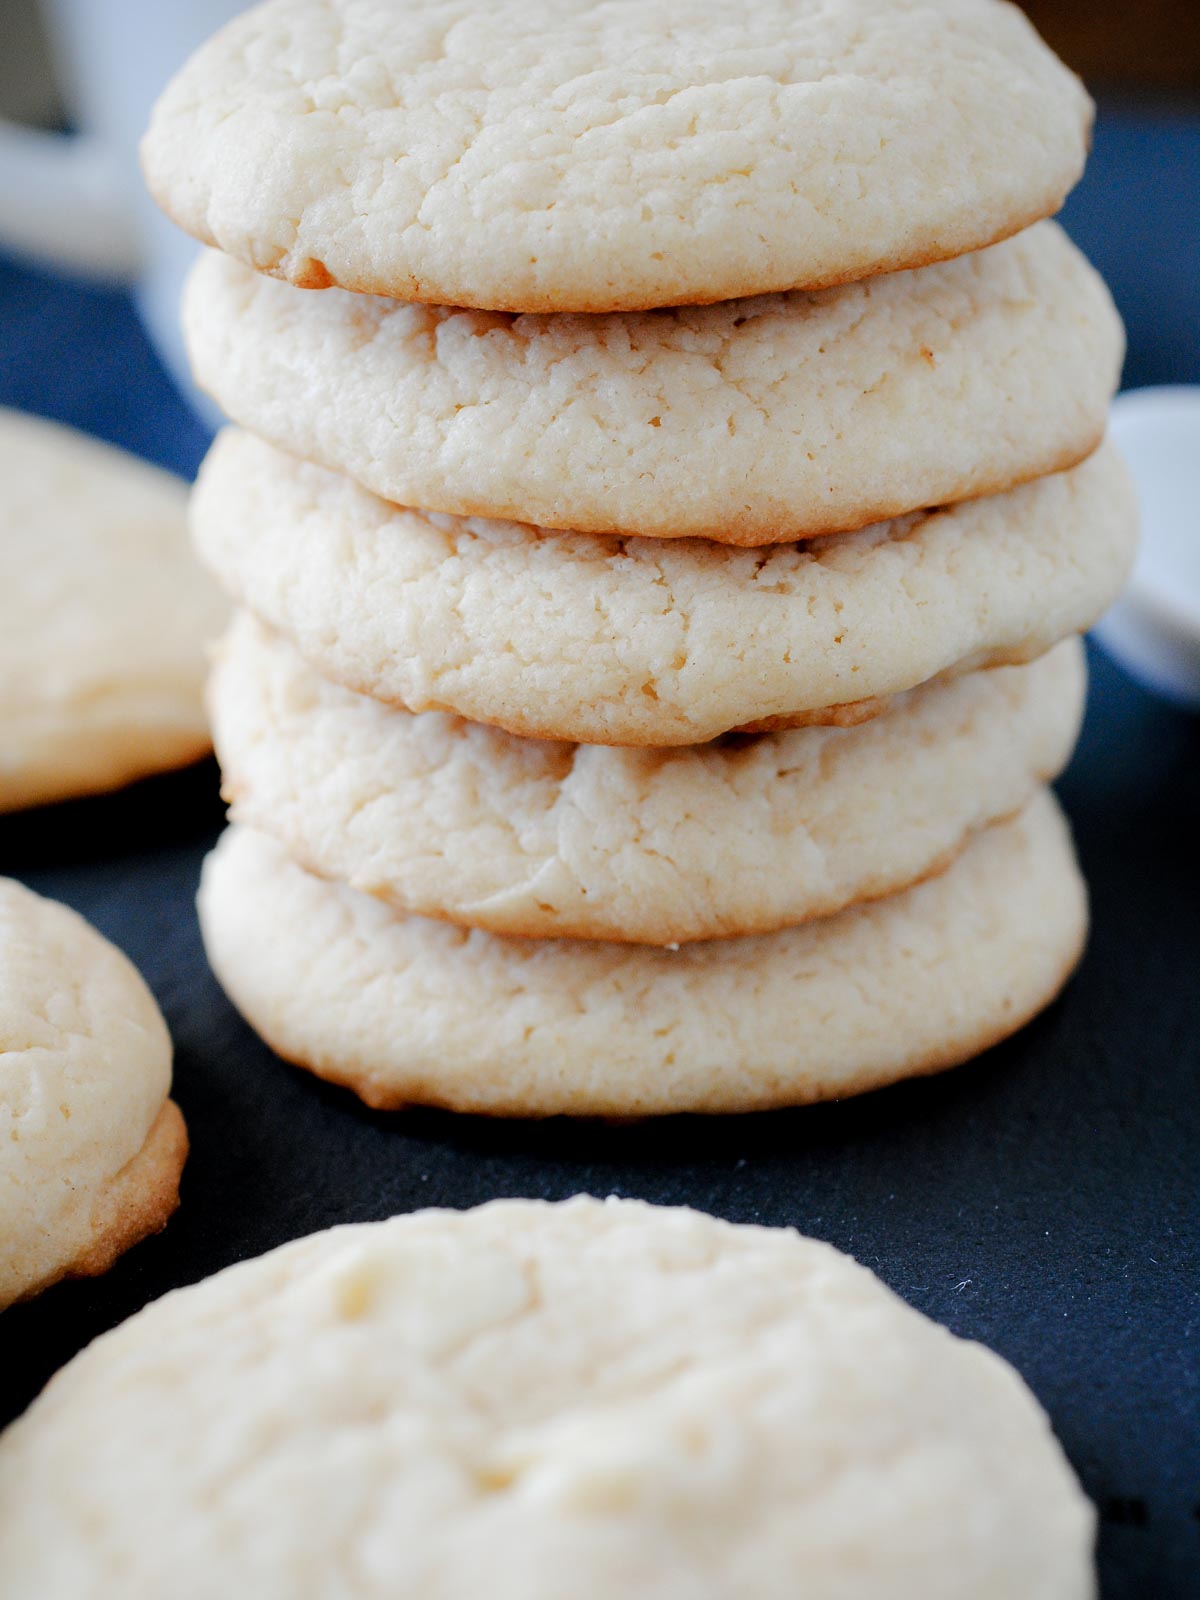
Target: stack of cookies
(660, 547)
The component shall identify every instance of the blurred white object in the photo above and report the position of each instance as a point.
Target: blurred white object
(77, 200)
(1154, 629)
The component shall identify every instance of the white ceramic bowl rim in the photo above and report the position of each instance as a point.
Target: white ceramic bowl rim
(1162, 580)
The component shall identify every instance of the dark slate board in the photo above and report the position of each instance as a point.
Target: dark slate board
(1042, 1199)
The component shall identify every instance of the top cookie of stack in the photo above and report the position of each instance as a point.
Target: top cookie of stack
(679, 370)
(564, 155)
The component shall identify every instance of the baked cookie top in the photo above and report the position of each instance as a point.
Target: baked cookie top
(552, 155)
(650, 641)
(751, 422)
(85, 1070)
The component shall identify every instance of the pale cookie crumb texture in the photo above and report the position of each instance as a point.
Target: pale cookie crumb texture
(450, 819)
(104, 618)
(529, 1400)
(90, 1147)
(751, 422)
(409, 1011)
(653, 642)
(559, 155)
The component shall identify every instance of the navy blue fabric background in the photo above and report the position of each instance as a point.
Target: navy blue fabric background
(1042, 1199)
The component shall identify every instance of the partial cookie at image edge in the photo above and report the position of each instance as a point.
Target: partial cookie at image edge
(91, 1144)
(104, 618)
(544, 1369)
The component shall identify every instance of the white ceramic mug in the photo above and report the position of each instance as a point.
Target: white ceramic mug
(77, 200)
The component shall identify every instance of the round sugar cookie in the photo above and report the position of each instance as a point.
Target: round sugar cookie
(645, 641)
(450, 819)
(559, 155)
(531, 1400)
(91, 1148)
(408, 1011)
(104, 616)
(751, 422)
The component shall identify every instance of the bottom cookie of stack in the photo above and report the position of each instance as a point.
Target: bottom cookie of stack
(408, 1011)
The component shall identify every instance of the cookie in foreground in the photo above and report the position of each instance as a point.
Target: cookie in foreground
(407, 1011)
(91, 1148)
(104, 618)
(446, 818)
(530, 1400)
(557, 155)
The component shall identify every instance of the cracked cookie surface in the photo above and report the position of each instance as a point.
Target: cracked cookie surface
(548, 155)
(450, 819)
(648, 641)
(752, 422)
(91, 1148)
(527, 1390)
